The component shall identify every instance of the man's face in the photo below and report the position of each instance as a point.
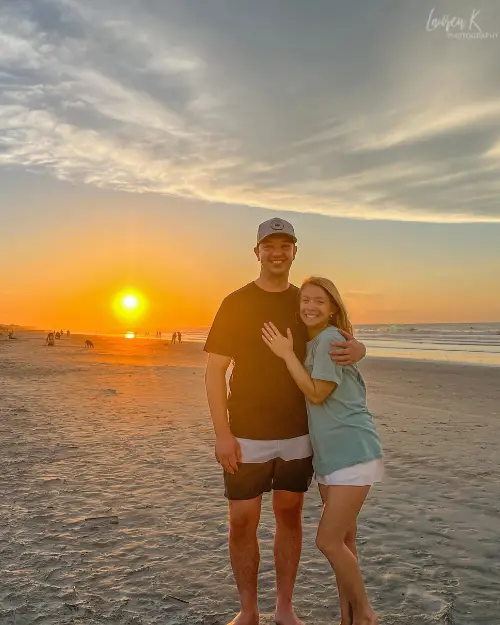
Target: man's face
(276, 254)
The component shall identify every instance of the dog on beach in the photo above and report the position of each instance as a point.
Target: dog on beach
(88, 344)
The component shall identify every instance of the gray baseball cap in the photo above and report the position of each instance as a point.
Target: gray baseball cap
(275, 226)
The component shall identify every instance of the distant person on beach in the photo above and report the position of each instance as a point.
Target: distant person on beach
(50, 339)
(179, 337)
(347, 454)
(174, 337)
(261, 429)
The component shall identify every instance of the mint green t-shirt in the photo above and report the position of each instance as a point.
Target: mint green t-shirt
(341, 428)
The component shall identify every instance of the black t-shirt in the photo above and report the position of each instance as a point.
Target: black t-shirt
(264, 402)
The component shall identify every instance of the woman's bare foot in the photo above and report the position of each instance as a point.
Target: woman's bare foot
(287, 617)
(245, 618)
(346, 618)
(369, 619)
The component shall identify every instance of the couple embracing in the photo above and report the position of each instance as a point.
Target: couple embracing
(296, 407)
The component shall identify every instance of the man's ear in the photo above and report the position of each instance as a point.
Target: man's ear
(256, 252)
(294, 251)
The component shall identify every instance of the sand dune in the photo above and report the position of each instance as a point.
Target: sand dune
(112, 508)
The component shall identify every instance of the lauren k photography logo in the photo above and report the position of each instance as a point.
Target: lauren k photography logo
(459, 26)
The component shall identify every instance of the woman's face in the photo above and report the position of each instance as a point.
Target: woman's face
(315, 306)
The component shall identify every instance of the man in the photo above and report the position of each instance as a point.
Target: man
(264, 445)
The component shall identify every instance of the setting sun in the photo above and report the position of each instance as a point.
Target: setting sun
(129, 305)
(130, 301)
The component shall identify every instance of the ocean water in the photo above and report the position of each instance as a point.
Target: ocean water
(471, 343)
(466, 343)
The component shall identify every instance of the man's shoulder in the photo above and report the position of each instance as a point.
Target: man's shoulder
(251, 292)
(244, 290)
(241, 293)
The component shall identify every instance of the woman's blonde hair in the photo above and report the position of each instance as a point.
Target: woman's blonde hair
(340, 319)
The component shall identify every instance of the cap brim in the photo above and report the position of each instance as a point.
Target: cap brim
(278, 234)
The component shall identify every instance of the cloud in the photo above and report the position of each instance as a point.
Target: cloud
(337, 111)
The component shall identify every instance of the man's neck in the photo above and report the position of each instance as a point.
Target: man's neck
(274, 285)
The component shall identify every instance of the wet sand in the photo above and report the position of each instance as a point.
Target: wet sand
(112, 509)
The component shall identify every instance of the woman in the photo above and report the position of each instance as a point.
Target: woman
(347, 450)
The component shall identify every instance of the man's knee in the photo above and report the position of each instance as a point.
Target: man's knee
(288, 508)
(243, 518)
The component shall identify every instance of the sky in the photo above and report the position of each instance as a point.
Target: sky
(143, 141)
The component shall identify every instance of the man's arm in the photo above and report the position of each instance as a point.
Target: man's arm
(347, 352)
(227, 449)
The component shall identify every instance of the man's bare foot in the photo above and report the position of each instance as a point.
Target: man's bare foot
(245, 618)
(287, 617)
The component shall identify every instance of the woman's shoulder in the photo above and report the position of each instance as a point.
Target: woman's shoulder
(331, 333)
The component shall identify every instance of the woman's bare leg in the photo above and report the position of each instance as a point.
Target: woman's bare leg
(342, 505)
(346, 615)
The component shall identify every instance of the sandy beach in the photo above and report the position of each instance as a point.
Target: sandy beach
(112, 508)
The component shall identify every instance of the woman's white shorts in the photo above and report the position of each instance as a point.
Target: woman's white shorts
(364, 474)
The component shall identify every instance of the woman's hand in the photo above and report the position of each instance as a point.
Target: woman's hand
(280, 345)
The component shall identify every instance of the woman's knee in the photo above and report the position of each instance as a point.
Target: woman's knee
(350, 539)
(330, 543)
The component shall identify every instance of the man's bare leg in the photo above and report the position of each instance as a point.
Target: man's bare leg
(244, 518)
(287, 547)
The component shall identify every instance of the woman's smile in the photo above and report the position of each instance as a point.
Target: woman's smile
(315, 306)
